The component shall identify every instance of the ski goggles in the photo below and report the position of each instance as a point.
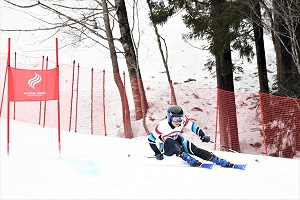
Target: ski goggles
(177, 119)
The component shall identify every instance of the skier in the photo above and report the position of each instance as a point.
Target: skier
(169, 141)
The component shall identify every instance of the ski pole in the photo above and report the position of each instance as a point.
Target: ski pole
(139, 155)
(224, 147)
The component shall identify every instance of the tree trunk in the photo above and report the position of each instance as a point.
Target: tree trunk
(260, 50)
(117, 77)
(227, 107)
(297, 67)
(139, 96)
(224, 69)
(287, 73)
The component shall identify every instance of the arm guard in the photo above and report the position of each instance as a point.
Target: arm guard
(197, 130)
(151, 141)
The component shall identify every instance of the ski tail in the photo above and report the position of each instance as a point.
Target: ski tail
(239, 166)
(207, 165)
(235, 166)
(200, 165)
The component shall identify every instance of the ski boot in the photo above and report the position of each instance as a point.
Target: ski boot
(221, 162)
(189, 159)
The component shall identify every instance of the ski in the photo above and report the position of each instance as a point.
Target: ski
(236, 166)
(239, 166)
(203, 165)
(206, 165)
(211, 166)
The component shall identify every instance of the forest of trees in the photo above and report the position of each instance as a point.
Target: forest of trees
(228, 26)
(236, 26)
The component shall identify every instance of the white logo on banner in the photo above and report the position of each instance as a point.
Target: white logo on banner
(35, 80)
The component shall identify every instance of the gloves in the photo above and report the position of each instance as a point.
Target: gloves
(202, 136)
(205, 138)
(159, 156)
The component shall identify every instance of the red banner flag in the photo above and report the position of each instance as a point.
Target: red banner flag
(33, 85)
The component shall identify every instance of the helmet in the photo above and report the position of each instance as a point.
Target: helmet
(174, 113)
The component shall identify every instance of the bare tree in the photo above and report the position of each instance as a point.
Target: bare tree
(118, 80)
(82, 22)
(286, 24)
(126, 40)
(284, 16)
(131, 55)
(164, 57)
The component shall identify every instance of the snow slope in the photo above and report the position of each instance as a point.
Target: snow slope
(98, 167)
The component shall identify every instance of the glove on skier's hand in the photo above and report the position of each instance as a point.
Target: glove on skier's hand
(159, 156)
(205, 138)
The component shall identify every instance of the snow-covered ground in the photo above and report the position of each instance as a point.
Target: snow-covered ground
(98, 167)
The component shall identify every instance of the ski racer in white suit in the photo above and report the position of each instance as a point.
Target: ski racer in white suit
(165, 139)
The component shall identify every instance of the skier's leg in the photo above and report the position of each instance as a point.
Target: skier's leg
(172, 147)
(205, 155)
(219, 161)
